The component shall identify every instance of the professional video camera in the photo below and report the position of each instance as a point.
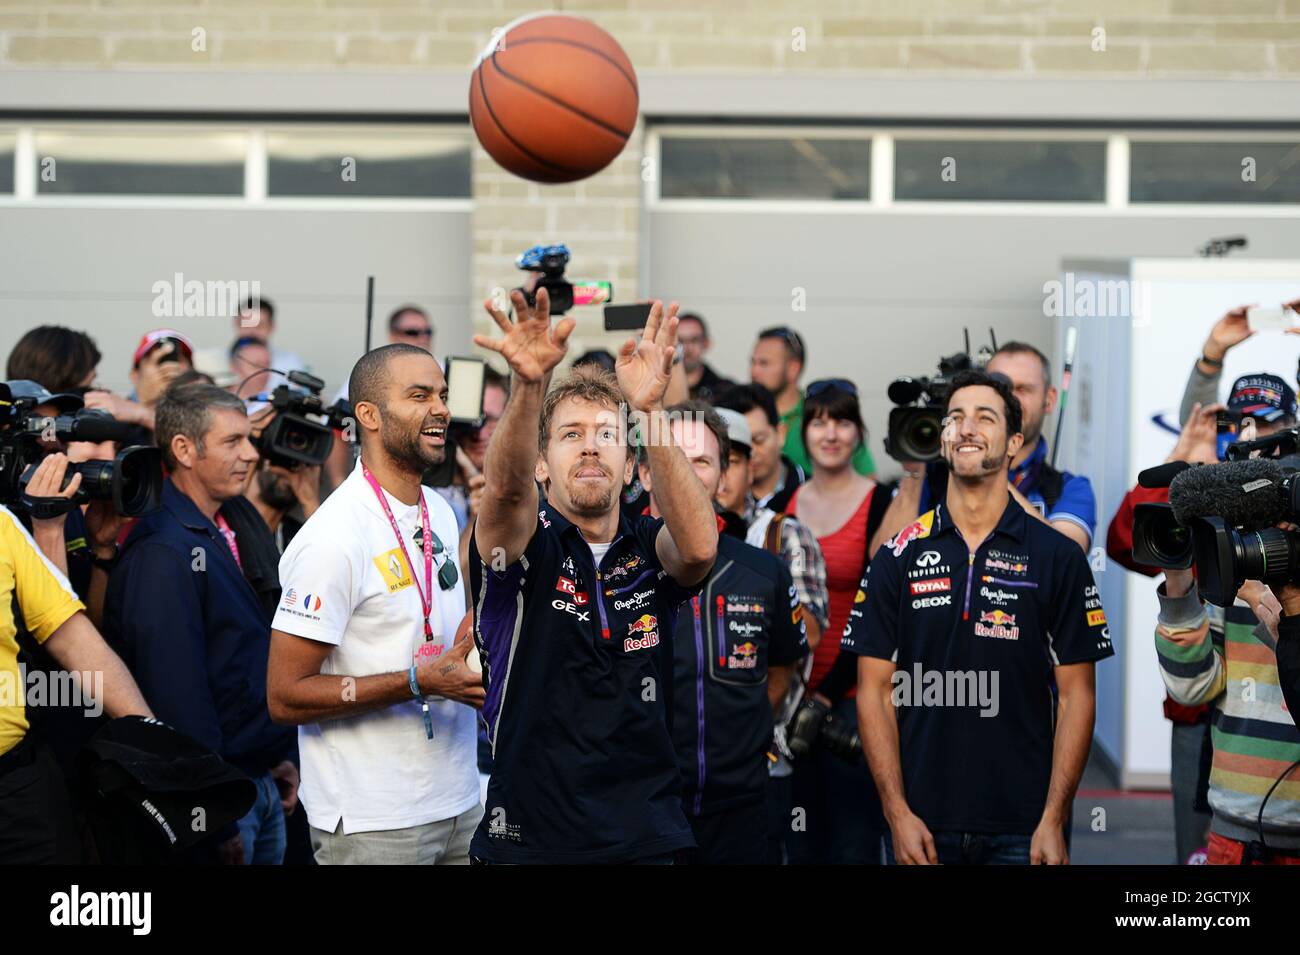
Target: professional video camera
(292, 438)
(132, 480)
(550, 261)
(915, 426)
(1223, 517)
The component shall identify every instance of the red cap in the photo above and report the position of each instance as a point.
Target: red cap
(152, 338)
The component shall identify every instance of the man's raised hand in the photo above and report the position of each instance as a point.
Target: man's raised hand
(645, 367)
(530, 345)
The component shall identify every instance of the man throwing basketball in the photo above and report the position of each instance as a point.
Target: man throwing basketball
(574, 605)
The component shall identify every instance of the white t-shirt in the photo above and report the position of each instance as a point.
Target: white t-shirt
(347, 584)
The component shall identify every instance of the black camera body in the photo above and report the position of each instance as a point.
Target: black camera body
(132, 480)
(1221, 519)
(813, 724)
(292, 438)
(916, 425)
(550, 262)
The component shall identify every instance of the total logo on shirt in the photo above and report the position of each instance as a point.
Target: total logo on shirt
(567, 585)
(392, 567)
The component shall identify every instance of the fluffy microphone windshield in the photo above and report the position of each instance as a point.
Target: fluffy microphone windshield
(1243, 493)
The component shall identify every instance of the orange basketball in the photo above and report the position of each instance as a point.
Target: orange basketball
(553, 98)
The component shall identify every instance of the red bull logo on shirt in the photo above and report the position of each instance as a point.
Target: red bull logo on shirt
(998, 624)
(743, 656)
(916, 530)
(647, 625)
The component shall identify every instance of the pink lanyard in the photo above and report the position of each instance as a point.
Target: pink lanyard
(229, 535)
(426, 602)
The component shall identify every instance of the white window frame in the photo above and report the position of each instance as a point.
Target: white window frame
(882, 201)
(256, 173)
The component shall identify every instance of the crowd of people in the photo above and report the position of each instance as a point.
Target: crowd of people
(635, 613)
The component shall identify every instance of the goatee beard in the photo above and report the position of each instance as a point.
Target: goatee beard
(409, 453)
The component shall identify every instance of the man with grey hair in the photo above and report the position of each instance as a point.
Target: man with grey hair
(188, 624)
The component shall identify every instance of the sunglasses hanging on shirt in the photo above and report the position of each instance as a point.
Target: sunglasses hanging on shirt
(447, 574)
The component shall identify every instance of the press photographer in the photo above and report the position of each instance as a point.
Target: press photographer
(70, 485)
(1230, 653)
(294, 436)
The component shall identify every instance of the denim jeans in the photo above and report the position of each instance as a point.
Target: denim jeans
(973, 848)
(262, 829)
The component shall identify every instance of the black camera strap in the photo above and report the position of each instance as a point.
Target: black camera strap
(47, 508)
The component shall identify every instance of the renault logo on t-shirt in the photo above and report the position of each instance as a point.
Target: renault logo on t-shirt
(392, 567)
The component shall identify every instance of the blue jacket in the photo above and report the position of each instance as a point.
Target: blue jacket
(194, 634)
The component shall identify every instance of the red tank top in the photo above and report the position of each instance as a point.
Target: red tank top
(843, 551)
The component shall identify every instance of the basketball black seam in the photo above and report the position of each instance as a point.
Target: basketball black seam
(582, 46)
(487, 104)
(559, 102)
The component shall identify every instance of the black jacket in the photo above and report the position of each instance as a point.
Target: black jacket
(746, 619)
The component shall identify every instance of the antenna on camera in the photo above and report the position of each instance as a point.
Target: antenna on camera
(370, 308)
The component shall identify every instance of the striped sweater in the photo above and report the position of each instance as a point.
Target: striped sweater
(1225, 657)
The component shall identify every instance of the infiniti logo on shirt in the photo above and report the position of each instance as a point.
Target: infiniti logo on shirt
(928, 559)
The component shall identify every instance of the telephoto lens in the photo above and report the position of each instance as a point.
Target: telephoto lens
(1227, 557)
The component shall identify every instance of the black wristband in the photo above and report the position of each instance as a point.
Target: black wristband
(105, 563)
(1214, 362)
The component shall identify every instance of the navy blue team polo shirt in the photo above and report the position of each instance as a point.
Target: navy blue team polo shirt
(977, 754)
(577, 662)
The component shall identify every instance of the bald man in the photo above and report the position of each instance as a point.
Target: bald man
(368, 656)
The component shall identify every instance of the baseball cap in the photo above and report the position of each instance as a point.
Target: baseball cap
(150, 339)
(737, 429)
(1266, 397)
(25, 388)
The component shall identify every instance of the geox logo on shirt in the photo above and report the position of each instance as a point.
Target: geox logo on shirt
(103, 908)
(392, 567)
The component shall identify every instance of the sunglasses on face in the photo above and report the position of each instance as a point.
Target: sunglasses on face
(827, 385)
(415, 332)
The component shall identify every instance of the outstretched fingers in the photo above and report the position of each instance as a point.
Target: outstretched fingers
(491, 344)
(498, 316)
(563, 330)
(653, 321)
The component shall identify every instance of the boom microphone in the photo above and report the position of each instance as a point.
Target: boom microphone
(1244, 493)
